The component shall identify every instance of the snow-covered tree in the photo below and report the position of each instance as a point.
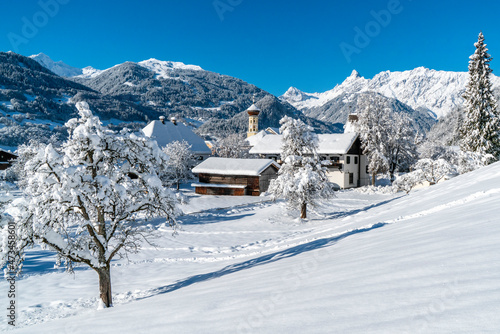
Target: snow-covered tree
(387, 138)
(232, 146)
(372, 118)
(480, 129)
(401, 143)
(301, 179)
(446, 132)
(88, 199)
(434, 150)
(179, 163)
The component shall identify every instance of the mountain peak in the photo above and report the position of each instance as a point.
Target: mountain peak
(293, 94)
(156, 65)
(58, 67)
(355, 74)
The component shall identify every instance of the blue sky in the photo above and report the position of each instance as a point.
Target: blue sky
(312, 45)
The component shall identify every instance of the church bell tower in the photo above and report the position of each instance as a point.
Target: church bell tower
(253, 120)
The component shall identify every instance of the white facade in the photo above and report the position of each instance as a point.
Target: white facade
(340, 153)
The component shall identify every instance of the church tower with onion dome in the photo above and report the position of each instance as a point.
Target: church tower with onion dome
(253, 120)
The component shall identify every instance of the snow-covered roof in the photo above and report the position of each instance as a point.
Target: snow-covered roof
(219, 185)
(253, 107)
(166, 133)
(253, 140)
(273, 131)
(229, 166)
(336, 143)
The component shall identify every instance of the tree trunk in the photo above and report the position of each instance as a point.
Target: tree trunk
(178, 182)
(303, 211)
(105, 285)
(374, 178)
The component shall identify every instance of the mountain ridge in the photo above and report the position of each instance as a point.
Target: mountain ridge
(421, 88)
(35, 101)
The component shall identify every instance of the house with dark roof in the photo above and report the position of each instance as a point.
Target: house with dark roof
(236, 177)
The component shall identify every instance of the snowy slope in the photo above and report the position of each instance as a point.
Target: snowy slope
(89, 72)
(163, 69)
(437, 91)
(422, 263)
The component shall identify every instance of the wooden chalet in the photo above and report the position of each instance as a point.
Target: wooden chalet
(235, 177)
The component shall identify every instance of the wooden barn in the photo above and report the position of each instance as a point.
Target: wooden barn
(6, 159)
(235, 177)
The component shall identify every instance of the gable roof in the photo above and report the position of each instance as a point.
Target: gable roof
(229, 166)
(336, 143)
(166, 133)
(253, 140)
(272, 131)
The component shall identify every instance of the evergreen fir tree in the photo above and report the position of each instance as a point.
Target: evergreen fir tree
(480, 130)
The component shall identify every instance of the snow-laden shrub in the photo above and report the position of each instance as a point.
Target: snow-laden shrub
(433, 171)
(408, 181)
(376, 190)
(469, 161)
(426, 170)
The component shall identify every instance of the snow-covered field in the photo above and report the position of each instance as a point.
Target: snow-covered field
(428, 262)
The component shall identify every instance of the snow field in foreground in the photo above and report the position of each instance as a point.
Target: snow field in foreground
(422, 263)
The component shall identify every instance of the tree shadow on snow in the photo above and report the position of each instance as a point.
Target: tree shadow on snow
(344, 214)
(41, 261)
(210, 218)
(262, 260)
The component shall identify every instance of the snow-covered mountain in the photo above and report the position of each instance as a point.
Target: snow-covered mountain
(163, 69)
(35, 101)
(421, 88)
(89, 72)
(58, 67)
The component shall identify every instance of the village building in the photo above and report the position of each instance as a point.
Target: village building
(6, 159)
(236, 177)
(340, 153)
(165, 132)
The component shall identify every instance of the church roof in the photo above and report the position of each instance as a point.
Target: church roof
(253, 107)
(255, 139)
(165, 133)
(336, 143)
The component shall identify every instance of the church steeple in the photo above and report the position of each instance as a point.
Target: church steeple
(253, 119)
